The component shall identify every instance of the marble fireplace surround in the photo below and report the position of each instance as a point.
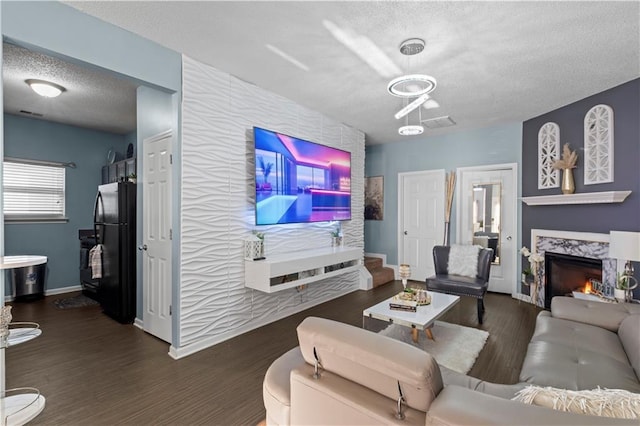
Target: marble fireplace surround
(582, 244)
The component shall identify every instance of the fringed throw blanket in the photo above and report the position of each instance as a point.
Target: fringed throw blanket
(615, 403)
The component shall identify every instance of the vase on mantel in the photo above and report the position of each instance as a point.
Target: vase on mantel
(568, 186)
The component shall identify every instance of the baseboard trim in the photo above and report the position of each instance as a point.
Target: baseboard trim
(184, 351)
(138, 323)
(61, 290)
(52, 292)
(522, 297)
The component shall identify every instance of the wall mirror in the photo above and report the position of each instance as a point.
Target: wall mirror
(486, 217)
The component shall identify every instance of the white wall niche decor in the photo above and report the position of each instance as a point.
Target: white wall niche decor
(598, 145)
(548, 153)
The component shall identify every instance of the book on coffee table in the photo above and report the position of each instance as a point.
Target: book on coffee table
(402, 307)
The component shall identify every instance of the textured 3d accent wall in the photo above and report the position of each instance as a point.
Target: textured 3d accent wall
(219, 112)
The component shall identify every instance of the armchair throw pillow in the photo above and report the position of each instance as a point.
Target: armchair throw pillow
(463, 260)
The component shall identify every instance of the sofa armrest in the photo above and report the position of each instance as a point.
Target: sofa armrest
(604, 315)
(276, 387)
(459, 406)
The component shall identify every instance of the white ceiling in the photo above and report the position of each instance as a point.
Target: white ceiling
(495, 62)
(93, 98)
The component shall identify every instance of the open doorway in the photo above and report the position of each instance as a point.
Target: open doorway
(89, 129)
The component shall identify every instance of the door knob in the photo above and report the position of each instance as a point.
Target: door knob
(406, 233)
(509, 238)
(142, 247)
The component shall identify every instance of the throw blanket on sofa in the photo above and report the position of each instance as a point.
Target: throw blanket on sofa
(463, 260)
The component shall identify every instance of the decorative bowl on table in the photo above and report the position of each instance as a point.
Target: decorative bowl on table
(413, 297)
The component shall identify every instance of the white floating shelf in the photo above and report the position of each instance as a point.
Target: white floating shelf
(288, 270)
(582, 198)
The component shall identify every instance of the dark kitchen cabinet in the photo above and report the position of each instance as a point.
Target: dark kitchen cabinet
(118, 171)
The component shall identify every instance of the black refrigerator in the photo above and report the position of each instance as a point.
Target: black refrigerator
(114, 217)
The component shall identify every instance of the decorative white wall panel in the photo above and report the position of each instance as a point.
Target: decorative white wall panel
(548, 153)
(217, 205)
(598, 145)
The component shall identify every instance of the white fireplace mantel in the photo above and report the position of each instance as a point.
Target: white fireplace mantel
(582, 198)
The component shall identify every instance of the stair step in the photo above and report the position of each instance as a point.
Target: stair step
(372, 263)
(382, 276)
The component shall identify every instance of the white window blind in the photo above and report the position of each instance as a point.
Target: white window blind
(33, 191)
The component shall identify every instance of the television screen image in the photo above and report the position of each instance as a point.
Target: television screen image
(299, 181)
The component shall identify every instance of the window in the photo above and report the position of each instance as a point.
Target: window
(33, 191)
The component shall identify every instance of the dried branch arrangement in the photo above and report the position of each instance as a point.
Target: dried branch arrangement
(450, 185)
(569, 159)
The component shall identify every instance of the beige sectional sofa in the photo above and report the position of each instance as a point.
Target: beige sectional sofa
(361, 373)
(582, 345)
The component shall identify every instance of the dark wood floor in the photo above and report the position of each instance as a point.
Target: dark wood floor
(95, 371)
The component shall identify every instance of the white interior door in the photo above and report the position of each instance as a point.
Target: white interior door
(157, 235)
(421, 224)
(487, 217)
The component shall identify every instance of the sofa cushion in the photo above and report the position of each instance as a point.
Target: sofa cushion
(570, 355)
(629, 334)
(605, 315)
(457, 284)
(582, 337)
(372, 360)
(460, 406)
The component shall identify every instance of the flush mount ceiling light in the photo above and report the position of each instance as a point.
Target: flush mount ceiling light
(411, 130)
(45, 88)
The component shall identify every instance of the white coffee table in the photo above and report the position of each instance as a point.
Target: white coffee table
(422, 319)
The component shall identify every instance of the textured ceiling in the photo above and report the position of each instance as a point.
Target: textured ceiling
(494, 62)
(94, 99)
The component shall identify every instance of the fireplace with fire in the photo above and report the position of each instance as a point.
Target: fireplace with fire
(565, 274)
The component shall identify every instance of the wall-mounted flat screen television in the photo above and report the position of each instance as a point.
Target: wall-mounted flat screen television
(298, 181)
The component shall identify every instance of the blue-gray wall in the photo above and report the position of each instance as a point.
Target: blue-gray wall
(490, 145)
(60, 30)
(53, 27)
(42, 140)
(599, 218)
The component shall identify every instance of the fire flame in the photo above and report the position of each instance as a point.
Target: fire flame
(587, 288)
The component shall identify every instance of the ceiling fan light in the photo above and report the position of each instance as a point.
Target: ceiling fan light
(411, 130)
(405, 85)
(45, 88)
